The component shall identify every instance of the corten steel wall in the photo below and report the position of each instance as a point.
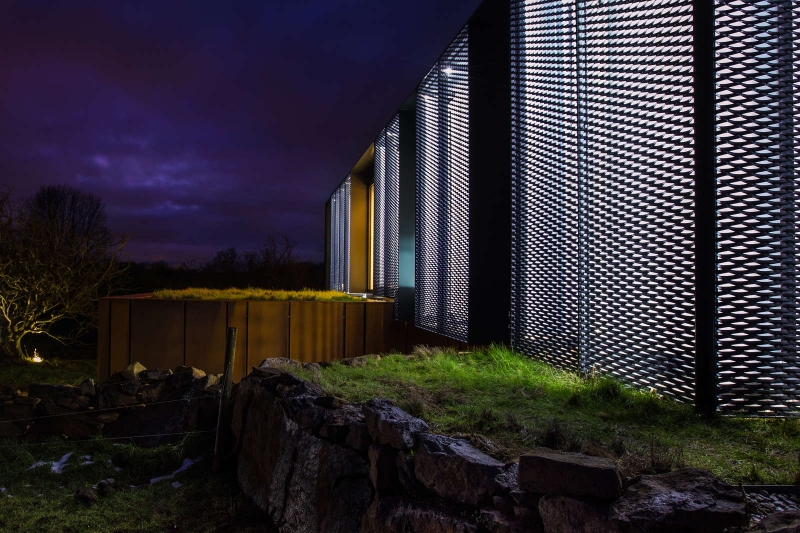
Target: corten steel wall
(654, 172)
(169, 333)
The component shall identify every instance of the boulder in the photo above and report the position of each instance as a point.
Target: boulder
(391, 425)
(110, 395)
(783, 522)
(337, 426)
(73, 426)
(562, 514)
(155, 419)
(358, 437)
(132, 371)
(152, 392)
(281, 363)
(88, 387)
(304, 483)
(395, 515)
(66, 396)
(306, 414)
(456, 470)
(86, 496)
(330, 402)
(9, 393)
(184, 376)
(688, 500)
(549, 471)
(156, 374)
(383, 468)
(130, 387)
(405, 471)
(497, 522)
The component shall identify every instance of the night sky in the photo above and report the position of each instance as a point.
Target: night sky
(204, 125)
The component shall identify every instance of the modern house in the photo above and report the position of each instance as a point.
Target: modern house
(603, 185)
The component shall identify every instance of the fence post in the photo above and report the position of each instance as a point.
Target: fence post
(223, 422)
(705, 209)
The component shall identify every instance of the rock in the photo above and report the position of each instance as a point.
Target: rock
(405, 471)
(152, 392)
(337, 427)
(106, 487)
(525, 499)
(66, 396)
(306, 414)
(72, 426)
(87, 496)
(13, 429)
(497, 522)
(394, 515)
(358, 437)
(20, 408)
(107, 418)
(360, 361)
(184, 376)
(280, 363)
(391, 425)
(688, 500)
(330, 402)
(562, 514)
(27, 400)
(155, 419)
(304, 388)
(783, 522)
(110, 395)
(383, 468)
(9, 393)
(456, 470)
(156, 374)
(548, 471)
(213, 384)
(304, 483)
(88, 387)
(132, 371)
(130, 387)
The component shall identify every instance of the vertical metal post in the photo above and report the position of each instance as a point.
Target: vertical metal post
(223, 422)
(705, 208)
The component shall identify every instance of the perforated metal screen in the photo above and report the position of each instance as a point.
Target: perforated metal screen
(340, 238)
(603, 188)
(387, 210)
(757, 157)
(442, 195)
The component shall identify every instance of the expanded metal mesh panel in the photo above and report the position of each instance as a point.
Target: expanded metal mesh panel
(603, 178)
(340, 238)
(635, 192)
(442, 195)
(544, 181)
(387, 210)
(757, 100)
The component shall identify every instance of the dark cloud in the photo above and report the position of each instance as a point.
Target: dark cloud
(201, 124)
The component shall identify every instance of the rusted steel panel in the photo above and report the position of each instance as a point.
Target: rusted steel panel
(316, 331)
(103, 335)
(354, 329)
(375, 332)
(206, 326)
(157, 333)
(237, 318)
(267, 330)
(119, 335)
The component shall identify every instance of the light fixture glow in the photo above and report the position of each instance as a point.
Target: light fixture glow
(36, 358)
(448, 70)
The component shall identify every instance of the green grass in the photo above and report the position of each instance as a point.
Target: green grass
(20, 374)
(507, 403)
(251, 293)
(45, 502)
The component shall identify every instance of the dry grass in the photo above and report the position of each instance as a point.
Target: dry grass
(252, 293)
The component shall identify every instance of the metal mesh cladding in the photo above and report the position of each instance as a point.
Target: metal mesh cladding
(442, 196)
(340, 238)
(603, 179)
(757, 157)
(387, 210)
(544, 314)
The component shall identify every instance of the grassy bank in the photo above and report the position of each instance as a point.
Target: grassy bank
(255, 294)
(20, 373)
(43, 501)
(507, 403)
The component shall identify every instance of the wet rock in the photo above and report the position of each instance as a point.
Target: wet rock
(688, 500)
(391, 425)
(157, 374)
(303, 482)
(395, 515)
(358, 437)
(88, 387)
(132, 371)
(783, 522)
(383, 468)
(456, 470)
(572, 474)
(563, 514)
(87, 496)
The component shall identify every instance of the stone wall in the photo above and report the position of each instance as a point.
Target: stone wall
(131, 403)
(317, 463)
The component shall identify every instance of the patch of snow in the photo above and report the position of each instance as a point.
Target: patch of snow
(87, 463)
(117, 469)
(2, 490)
(177, 485)
(59, 465)
(37, 464)
(185, 466)
(87, 457)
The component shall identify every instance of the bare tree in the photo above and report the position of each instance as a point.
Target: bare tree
(57, 257)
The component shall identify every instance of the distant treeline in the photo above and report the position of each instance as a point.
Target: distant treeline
(270, 266)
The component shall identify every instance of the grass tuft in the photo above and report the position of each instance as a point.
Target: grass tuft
(252, 293)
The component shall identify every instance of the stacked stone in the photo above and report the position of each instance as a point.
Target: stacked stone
(134, 401)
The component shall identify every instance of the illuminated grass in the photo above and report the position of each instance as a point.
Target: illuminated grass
(20, 374)
(509, 403)
(194, 293)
